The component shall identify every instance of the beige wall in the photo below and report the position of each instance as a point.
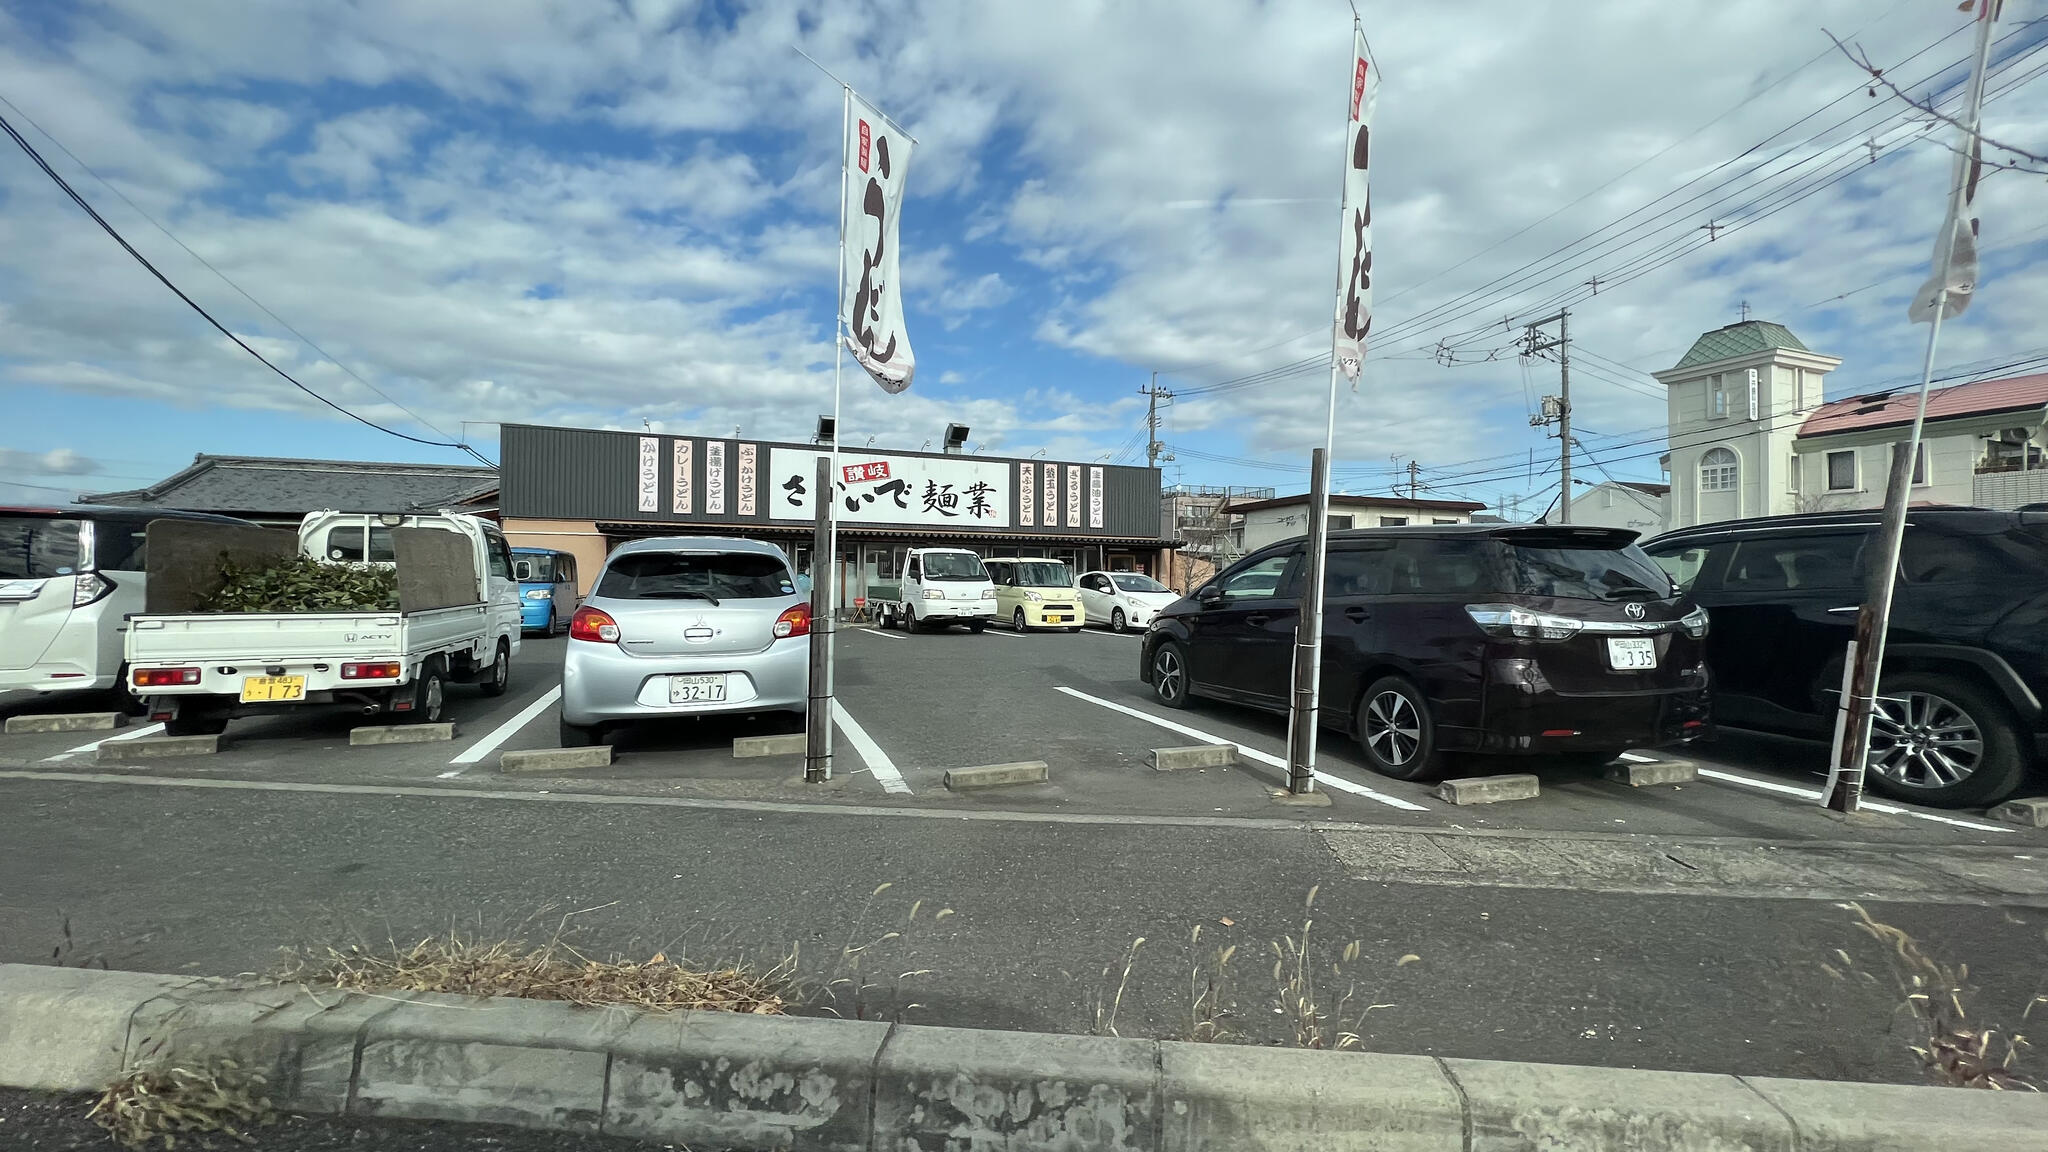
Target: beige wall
(579, 538)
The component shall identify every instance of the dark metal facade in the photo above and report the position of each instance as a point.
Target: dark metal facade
(632, 478)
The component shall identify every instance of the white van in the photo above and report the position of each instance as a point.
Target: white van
(69, 575)
(941, 586)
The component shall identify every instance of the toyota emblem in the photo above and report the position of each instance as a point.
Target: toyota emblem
(1635, 611)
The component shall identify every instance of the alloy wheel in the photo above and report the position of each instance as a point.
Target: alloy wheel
(1167, 673)
(1392, 729)
(1921, 740)
(1116, 620)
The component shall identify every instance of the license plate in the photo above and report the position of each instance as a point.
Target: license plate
(1057, 619)
(696, 689)
(1631, 655)
(269, 689)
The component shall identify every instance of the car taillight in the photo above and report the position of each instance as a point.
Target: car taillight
(1695, 623)
(591, 624)
(380, 670)
(794, 621)
(88, 587)
(163, 677)
(1521, 623)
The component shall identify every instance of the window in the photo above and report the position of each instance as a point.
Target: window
(1410, 568)
(37, 547)
(1802, 564)
(345, 543)
(1578, 572)
(1040, 574)
(1792, 474)
(1717, 398)
(953, 566)
(1683, 565)
(1842, 471)
(1934, 556)
(710, 576)
(1258, 581)
(120, 545)
(1920, 465)
(1718, 469)
(1134, 582)
(498, 552)
(1393, 521)
(1339, 523)
(565, 569)
(532, 568)
(1442, 521)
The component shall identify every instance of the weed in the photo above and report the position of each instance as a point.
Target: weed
(1108, 1004)
(852, 969)
(1209, 1003)
(163, 1103)
(476, 966)
(1956, 1051)
(1297, 975)
(65, 954)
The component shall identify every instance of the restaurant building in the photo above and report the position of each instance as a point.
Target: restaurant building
(584, 491)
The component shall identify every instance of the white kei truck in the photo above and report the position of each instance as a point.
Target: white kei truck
(940, 587)
(457, 621)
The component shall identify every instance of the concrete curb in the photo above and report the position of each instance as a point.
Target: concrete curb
(67, 722)
(400, 734)
(155, 748)
(786, 744)
(996, 775)
(545, 761)
(1197, 756)
(803, 1084)
(1488, 789)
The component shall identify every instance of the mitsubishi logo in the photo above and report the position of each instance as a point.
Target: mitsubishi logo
(1635, 611)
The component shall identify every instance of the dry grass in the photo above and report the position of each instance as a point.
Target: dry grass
(1956, 1051)
(1209, 1003)
(166, 1103)
(1303, 994)
(853, 976)
(475, 966)
(1108, 1003)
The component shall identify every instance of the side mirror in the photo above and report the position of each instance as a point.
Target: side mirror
(1210, 594)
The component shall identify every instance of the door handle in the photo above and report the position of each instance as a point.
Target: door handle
(1845, 609)
(1355, 613)
(1257, 621)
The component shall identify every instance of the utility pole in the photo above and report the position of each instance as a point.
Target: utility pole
(1556, 409)
(1414, 478)
(1153, 393)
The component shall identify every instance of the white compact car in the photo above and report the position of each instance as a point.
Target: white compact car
(1123, 600)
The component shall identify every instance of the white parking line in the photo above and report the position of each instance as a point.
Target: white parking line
(997, 632)
(1814, 794)
(146, 730)
(873, 632)
(502, 733)
(878, 761)
(1327, 778)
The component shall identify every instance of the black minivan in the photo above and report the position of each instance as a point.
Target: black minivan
(1498, 638)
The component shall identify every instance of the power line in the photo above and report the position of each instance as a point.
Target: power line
(110, 230)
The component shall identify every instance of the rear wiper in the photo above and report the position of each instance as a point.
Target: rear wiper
(680, 594)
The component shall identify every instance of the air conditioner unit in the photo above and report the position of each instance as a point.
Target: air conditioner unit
(2015, 435)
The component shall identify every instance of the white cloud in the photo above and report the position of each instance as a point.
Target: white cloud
(56, 462)
(617, 212)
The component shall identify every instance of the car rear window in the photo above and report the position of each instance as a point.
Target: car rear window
(687, 575)
(37, 547)
(1586, 573)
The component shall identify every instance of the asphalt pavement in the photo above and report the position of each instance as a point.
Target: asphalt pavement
(1673, 927)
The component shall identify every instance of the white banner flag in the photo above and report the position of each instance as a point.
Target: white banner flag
(877, 157)
(1354, 299)
(1955, 248)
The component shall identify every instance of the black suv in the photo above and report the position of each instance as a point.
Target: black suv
(1959, 716)
(1522, 638)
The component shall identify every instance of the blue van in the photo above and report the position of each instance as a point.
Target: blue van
(547, 588)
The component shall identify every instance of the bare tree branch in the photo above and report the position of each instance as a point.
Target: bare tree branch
(1878, 79)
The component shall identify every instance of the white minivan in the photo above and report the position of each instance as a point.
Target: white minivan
(69, 576)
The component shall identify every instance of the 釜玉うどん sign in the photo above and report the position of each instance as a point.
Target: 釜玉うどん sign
(881, 489)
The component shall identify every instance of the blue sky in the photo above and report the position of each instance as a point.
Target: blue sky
(600, 215)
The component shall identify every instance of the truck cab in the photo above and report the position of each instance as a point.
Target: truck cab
(941, 587)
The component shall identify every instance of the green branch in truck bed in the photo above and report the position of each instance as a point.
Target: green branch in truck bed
(303, 584)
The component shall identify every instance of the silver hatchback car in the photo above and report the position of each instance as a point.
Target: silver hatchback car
(686, 626)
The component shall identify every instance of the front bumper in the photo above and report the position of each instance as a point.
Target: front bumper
(602, 682)
(1049, 615)
(954, 609)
